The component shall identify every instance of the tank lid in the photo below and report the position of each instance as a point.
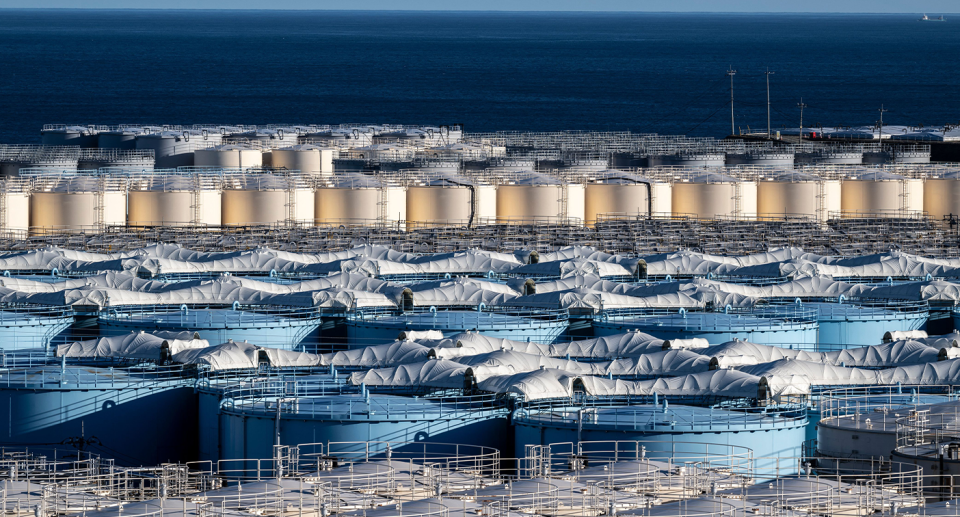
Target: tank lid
(619, 178)
(534, 178)
(712, 177)
(353, 180)
(303, 147)
(793, 177)
(256, 182)
(231, 147)
(876, 176)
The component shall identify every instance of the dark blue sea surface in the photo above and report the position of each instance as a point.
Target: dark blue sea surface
(660, 73)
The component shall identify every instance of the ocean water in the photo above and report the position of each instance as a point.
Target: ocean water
(660, 73)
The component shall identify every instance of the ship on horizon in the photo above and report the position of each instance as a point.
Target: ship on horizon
(929, 19)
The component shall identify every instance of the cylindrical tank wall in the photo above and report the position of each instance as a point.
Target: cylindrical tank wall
(519, 203)
(440, 205)
(149, 208)
(615, 199)
(816, 199)
(229, 157)
(880, 197)
(941, 197)
(77, 211)
(308, 160)
(710, 200)
(359, 206)
(251, 207)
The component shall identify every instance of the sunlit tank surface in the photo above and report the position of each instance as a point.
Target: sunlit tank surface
(357, 199)
(174, 199)
(712, 195)
(252, 424)
(795, 194)
(616, 194)
(229, 156)
(538, 197)
(252, 199)
(941, 195)
(878, 193)
(289, 329)
(77, 203)
(308, 159)
(137, 417)
(443, 199)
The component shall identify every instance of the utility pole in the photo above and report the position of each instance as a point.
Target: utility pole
(801, 105)
(768, 73)
(731, 72)
(880, 136)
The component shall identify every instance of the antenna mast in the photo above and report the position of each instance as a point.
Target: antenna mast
(768, 73)
(731, 72)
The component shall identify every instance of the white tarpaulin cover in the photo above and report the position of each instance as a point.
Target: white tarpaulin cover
(376, 356)
(535, 385)
(628, 344)
(887, 355)
(434, 373)
(135, 345)
(288, 358)
(227, 356)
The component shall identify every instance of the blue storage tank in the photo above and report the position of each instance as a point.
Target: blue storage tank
(534, 325)
(857, 324)
(250, 425)
(794, 327)
(138, 417)
(769, 434)
(286, 328)
(32, 327)
(212, 387)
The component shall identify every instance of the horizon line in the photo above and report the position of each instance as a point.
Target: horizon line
(518, 11)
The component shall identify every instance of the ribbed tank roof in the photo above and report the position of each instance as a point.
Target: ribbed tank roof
(876, 176)
(353, 180)
(534, 178)
(713, 177)
(620, 178)
(256, 182)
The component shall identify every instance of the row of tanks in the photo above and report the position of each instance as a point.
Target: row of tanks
(76, 200)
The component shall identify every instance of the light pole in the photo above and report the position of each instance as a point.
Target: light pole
(768, 73)
(731, 72)
(801, 105)
(880, 136)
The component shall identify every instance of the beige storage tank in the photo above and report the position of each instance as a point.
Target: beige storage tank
(662, 199)
(535, 197)
(266, 199)
(77, 203)
(619, 194)
(795, 194)
(359, 200)
(14, 207)
(880, 194)
(306, 158)
(711, 195)
(176, 148)
(441, 200)
(229, 156)
(174, 200)
(941, 195)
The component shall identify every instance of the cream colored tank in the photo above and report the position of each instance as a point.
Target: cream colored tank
(229, 156)
(529, 198)
(174, 200)
(941, 196)
(76, 204)
(15, 217)
(265, 199)
(359, 200)
(433, 205)
(797, 195)
(308, 159)
(616, 194)
(880, 194)
(662, 202)
(712, 195)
